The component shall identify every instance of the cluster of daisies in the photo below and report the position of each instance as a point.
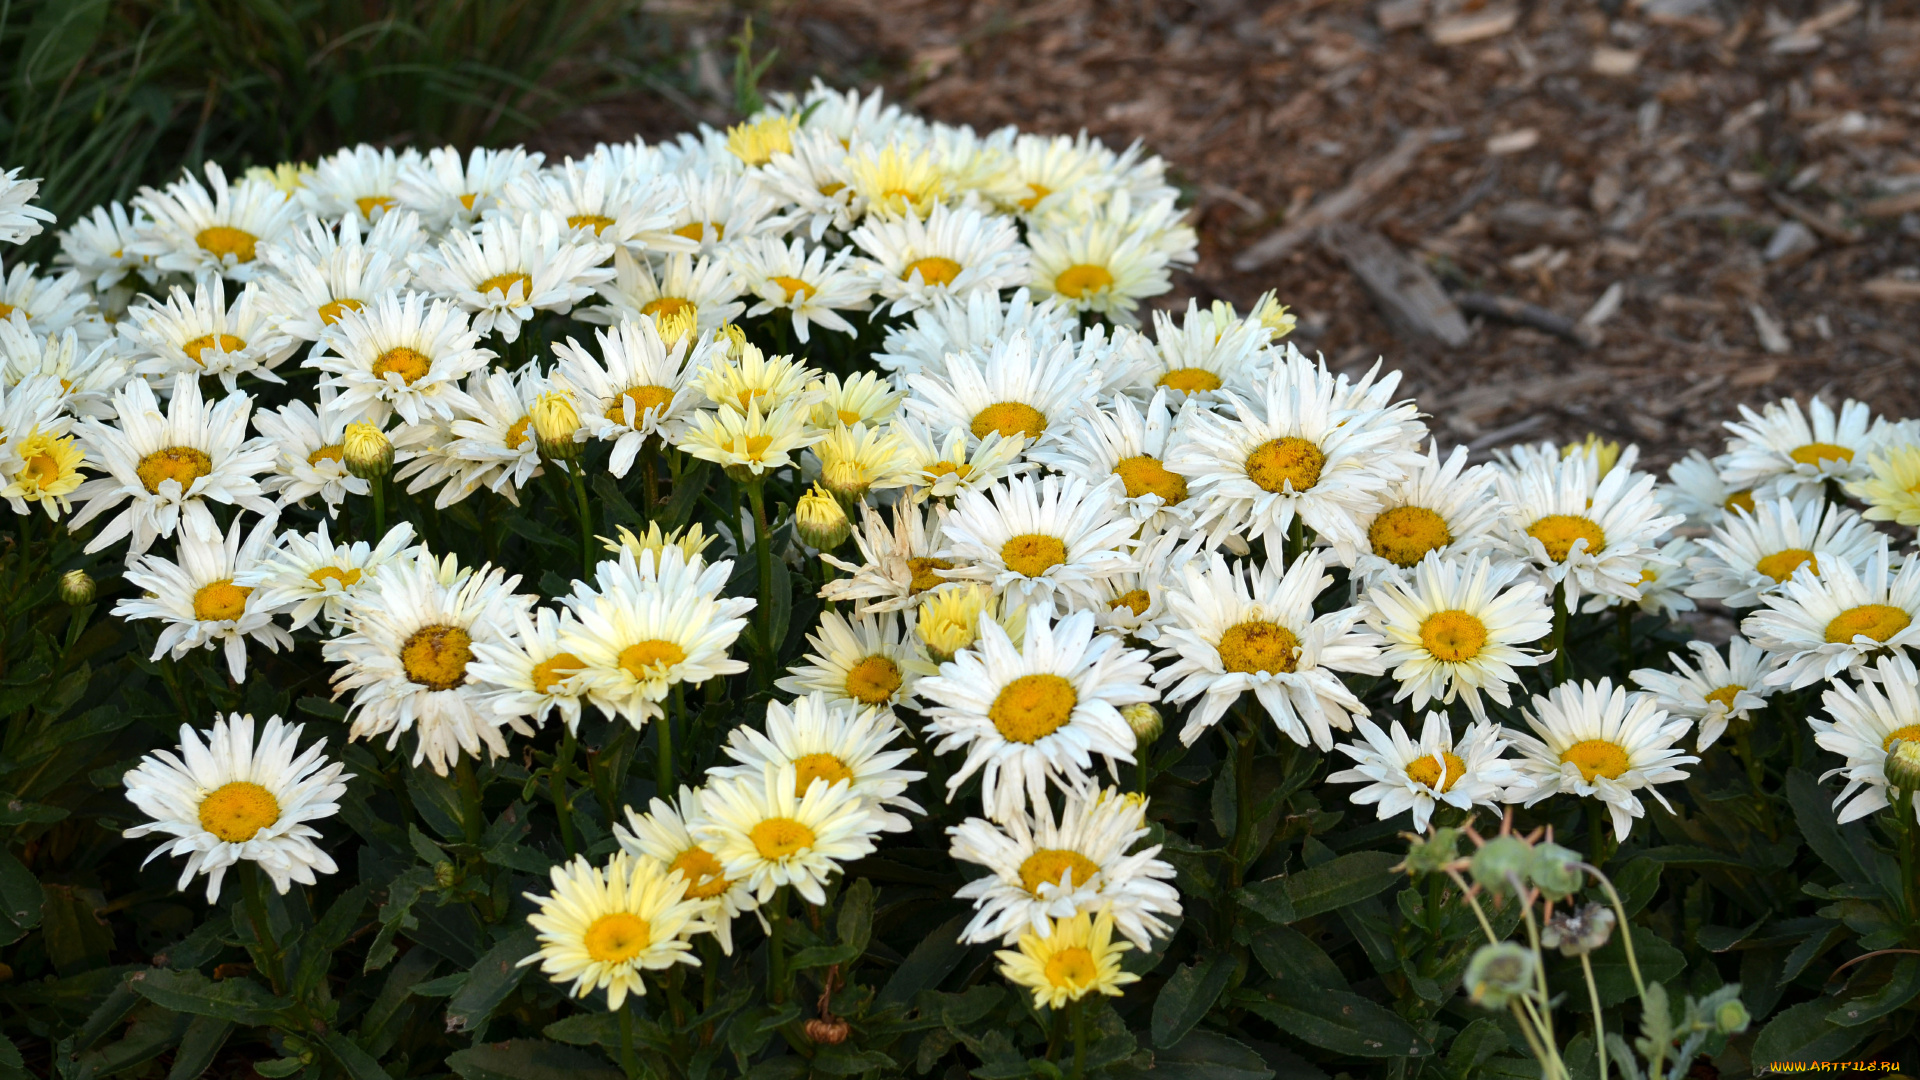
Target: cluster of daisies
(1046, 524)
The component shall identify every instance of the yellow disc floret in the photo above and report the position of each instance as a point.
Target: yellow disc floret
(1425, 772)
(1033, 554)
(220, 601)
(1050, 866)
(1082, 278)
(1597, 757)
(181, 464)
(1009, 418)
(1259, 646)
(1558, 532)
(651, 658)
(1877, 621)
(1781, 564)
(777, 838)
(410, 364)
(1191, 380)
(548, 674)
(236, 812)
(1032, 707)
(223, 240)
(705, 876)
(1144, 475)
(810, 767)
(1453, 636)
(873, 681)
(618, 937)
(1279, 463)
(1404, 534)
(437, 656)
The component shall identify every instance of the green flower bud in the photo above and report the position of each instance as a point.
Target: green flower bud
(1556, 871)
(1498, 974)
(77, 588)
(1433, 854)
(1731, 1017)
(1145, 721)
(1579, 931)
(1500, 861)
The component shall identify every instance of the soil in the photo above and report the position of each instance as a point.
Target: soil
(1747, 176)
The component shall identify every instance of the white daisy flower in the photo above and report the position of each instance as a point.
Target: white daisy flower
(705, 290)
(307, 576)
(898, 563)
(1664, 582)
(198, 334)
(1752, 554)
(810, 177)
(199, 600)
(665, 835)
(1781, 451)
(1207, 352)
(19, 218)
(1298, 451)
(717, 208)
(1865, 722)
(493, 436)
(531, 673)
(768, 836)
(1136, 599)
(651, 621)
(895, 180)
(505, 271)
(1231, 630)
(1061, 173)
(861, 661)
(213, 228)
(1839, 620)
(1098, 264)
(100, 246)
(354, 180)
(638, 387)
(812, 289)
(403, 353)
(1716, 693)
(165, 466)
(598, 202)
(864, 398)
(828, 742)
(407, 651)
(1441, 506)
(942, 469)
(952, 253)
(321, 272)
(746, 376)
(1456, 629)
(1121, 440)
(1036, 714)
(1020, 387)
(1402, 774)
(1694, 488)
(749, 441)
(1598, 741)
(1584, 536)
(1040, 869)
(1052, 538)
(230, 799)
(602, 929)
(50, 305)
(444, 190)
(970, 324)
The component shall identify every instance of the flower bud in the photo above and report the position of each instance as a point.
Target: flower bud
(1499, 861)
(367, 452)
(444, 875)
(1498, 974)
(828, 1032)
(1732, 1017)
(1556, 871)
(1274, 315)
(1145, 721)
(820, 521)
(674, 326)
(1433, 854)
(556, 426)
(950, 620)
(1579, 931)
(77, 588)
(1903, 768)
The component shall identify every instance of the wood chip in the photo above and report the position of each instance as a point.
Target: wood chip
(1519, 311)
(1615, 63)
(1838, 233)
(1773, 336)
(1400, 14)
(1476, 26)
(1368, 181)
(1605, 307)
(1414, 304)
(1887, 206)
(1893, 290)
(1513, 142)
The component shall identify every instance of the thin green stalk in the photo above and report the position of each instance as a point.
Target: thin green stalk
(1909, 854)
(777, 948)
(1296, 540)
(1539, 968)
(252, 881)
(1243, 795)
(470, 811)
(1079, 1039)
(1599, 1025)
(649, 477)
(663, 761)
(585, 513)
(1526, 1030)
(763, 553)
(1485, 926)
(557, 786)
(1557, 641)
(377, 487)
(1626, 934)
(627, 1063)
(1625, 618)
(1598, 830)
(1056, 1034)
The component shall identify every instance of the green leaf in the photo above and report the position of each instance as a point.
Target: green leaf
(30, 813)
(12, 1066)
(204, 1037)
(492, 979)
(59, 38)
(279, 1067)
(322, 708)
(856, 916)
(1902, 986)
(1295, 961)
(841, 1061)
(240, 1000)
(1476, 1043)
(1202, 1055)
(1844, 848)
(20, 899)
(1636, 882)
(818, 956)
(928, 965)
(1804, 1033)
(389, 1012)
(1188, 996)
(1268, 899)
(357, 1063)
(530, 1059)
(1659, 962)
(317, 945)
(1341, 881)
(77, 939)
(1339, 1021)
(438, 803)
(586, 1029)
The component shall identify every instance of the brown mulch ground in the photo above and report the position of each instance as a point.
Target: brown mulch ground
(1660, 146)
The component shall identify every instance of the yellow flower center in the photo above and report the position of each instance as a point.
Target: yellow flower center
(220, 601)
(777, 838)
(1725, 695)
(42, 469)
(697, 231)
(1453, 636)
(548, 674)
(1258, 646)
(437, 656)
(794, 287)
(924, 577)
(1279, 462)
(1557, 533)
(1033, 554)
(933, 270)
(643, 397)
(1082, 278)
(410, 365)
(223, 240)
(651, 658)
(1036, 192)
(1032, 707)
(6, 311)
(1424, 772)
(468, 199)
(1145, 475)
(618, 937)
(236, 812)
(519, 432)
(1072, 968)
(224, 342)
(504, 283)
(1050, 866)
(959, 469)
(1739, 500)
(1010, 418)
(331, 452)
(182, 464)
(1877, 621)
(1404, 534)
(704, 874)
(873, 681)
(331, 311)
(345, 575)
(832, 188)
(369, 203)
(1910, 733)
(598, 221)
(1135, 601)
(810, 767)
(1597, 757)
(665, 307)
(1816, 452)
(1190, 380)
(1781, 564)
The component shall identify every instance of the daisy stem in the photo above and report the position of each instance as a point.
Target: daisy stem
(777, 947)
(1296, 539)
(470, 812)
(1625, 617)
(377, 487)
(649, 476)
(1909, 853)
(1079, 1039)
(1243, 794)
(763, 553)
(627, 1063)
(1597, 831)
(1056, 1034)
(1599, 1027)
(1626, 934)
(251, 883)
(557, 781)
(579, 479)
(1557, 641)
(663, 762)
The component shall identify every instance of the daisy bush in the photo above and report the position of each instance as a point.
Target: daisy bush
(779, 602)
